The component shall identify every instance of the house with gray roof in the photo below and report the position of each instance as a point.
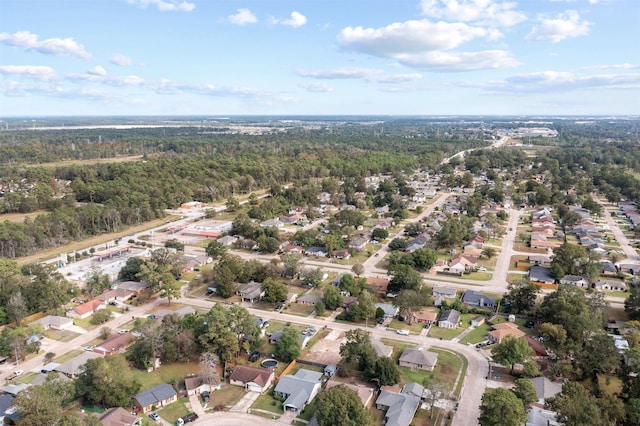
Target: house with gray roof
(390, 311)
(299, 389)
(414, 389)
(401, 407)
(418, 359)
(449, 319)
(381, 349)
(250, 292)
(55, 322)
(541, 274)
(275, 337)
(545, 388)
(575, 280)
(474, 298)
(75, 366)
(156, 397)
(6, 406)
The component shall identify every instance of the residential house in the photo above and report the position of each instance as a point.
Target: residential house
(118, 416)
(478, 321)
(309, 299)
(117, 294)
(381, 349)
(449, 319)
(75, 366)
(390, 311)
(250, 292)
(540, 351)
(277, 335)
(154, 398)
(610, 285)
(114, 344)
(358, 243)
(227, 240)
(401, 407)
(55, 323)
(466, 262)
(545, 388)
(418, 359)
(341, 254)
(196, 384)
(440, 293)
(540, 274)
(540, 260)
(426, 316)
(298, 389)
(316, 251)
(85, 310)
(472, 298)
(253, 379)
(502, 330)
(378, 285)
(608, 269)
(417, 243)
(365, 393)
(6, 407)
(133, 286)
(271, 223)
(574, 280)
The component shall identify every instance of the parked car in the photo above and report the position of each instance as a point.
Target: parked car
(154, 416)
(186, 419)
(205, 396)
(89, 348)
(403, 332)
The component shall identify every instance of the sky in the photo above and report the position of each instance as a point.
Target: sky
(319, 57)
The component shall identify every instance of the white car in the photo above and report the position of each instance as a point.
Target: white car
(18, 372)
(403, 332)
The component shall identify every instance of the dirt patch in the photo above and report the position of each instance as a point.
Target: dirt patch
(327, 350)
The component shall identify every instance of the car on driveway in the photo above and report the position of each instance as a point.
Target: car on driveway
(154, 416)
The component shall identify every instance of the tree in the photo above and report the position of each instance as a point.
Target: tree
(488, 252)
(424, 258)
(501, 407)
(632, 303)
(314, 277)
(232, 204)
(358, 347)
(404, 277)
(555, 337)
(288, 347)
(332, 297)
(208, 371)
(100, 316)
(575, 406)
(274, 291)
(174, 243)
(97, 282)
(227, 331)
(522, 296)
(291, 262)
(358, 269)
(437, 390)
(131, 269)
(341, 406)
(526, 392)
(599, 355)
(398, 244)
(379, 234)
(107, 382)
(408, 301)
(512, 351)
(215, 249)
(570, 257)
(386, 371)
(170, 287)
(48, 357)
(42, 405)
(17, 307)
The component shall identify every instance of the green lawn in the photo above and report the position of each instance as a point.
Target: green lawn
(299, 309)
(173, 411)
(60, 335)
(477, 335)
(414, 328)
(167, 373)
(477, 276)
(267, 402)
(447, 333)
(228, 396)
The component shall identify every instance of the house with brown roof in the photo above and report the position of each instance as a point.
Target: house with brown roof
(195, 385)
(85, 310)
(253, 379)
(425, 316)
(379, 285)
(115, 294)
(502, 330)
(114, 344)
(118, 416)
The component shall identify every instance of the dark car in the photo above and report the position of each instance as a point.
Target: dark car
(205, 396)
(253, 357)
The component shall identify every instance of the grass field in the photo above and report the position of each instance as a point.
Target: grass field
(227, 396)
(168, 373)
(477, 335)
(173, 411)
(267, 402)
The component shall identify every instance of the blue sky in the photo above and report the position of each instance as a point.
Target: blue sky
(398, 57)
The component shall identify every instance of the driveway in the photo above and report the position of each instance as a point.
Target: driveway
(245, 403)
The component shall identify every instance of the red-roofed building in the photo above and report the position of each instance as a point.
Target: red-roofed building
(85, 310)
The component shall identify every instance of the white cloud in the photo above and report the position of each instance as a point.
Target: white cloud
(121, 60)
(16, 89)
(165, 5)
(97, 70)
(38, 72)
(459, 61)
(410, 37)
(295, 20)
(554, 81)
(613, 67)
(489, 12)
(243, 17)
(368, 74)
(564, 25)
(168, 87)
(51, 46)
(318, 88)
(96, 77)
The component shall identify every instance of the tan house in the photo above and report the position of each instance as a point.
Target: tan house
(118, 416)
(502, 330)
(418, 359)
(253, 379)
(85, 310)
